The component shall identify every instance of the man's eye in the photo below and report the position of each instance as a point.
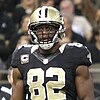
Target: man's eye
(39, 30)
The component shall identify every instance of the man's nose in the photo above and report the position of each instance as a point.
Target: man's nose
(45, 33)
(44, 30)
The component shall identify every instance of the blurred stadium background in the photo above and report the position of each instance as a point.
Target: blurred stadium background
(82, 17)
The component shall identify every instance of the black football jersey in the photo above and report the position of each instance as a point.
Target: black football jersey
(50, 77)
(5, 92)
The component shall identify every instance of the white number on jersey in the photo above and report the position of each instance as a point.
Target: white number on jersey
(50, 85)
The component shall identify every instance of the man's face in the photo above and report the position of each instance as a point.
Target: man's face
(98, 38)
(45, 33)
(25, 23)
(29, 2)
(67, 7)
(77, 2)
(67, 23)
(50, 3)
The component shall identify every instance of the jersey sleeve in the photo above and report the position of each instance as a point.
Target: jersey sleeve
(83, 56)
(20, 56)
(15, 61)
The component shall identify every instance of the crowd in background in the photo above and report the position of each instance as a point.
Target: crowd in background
(82, 24)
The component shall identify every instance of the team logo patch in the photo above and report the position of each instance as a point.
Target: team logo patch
(24, 59)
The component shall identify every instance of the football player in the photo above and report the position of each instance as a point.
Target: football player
(48, 70)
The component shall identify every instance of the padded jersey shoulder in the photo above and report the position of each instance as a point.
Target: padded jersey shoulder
(79, 53)
(77, 49)
(21, 50)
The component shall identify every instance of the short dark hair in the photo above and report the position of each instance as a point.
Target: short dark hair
(44, 1)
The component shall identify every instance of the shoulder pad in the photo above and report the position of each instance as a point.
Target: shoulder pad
(21, 49)
(34, 47)
(78, 53)
(79, 45)
(24, 46)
